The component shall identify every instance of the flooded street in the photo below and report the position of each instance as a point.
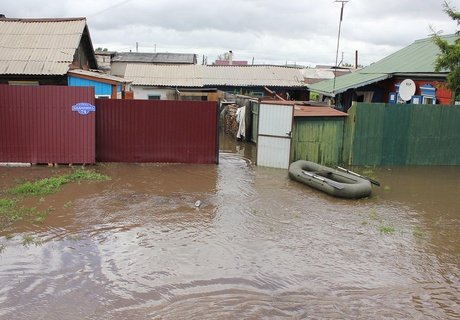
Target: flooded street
(255, 245)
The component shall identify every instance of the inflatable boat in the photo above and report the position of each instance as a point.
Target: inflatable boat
(338, 183)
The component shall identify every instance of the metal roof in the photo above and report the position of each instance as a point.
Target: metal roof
(417, 58)
(165, 75)
(308, 108)
(39, 46)
(311, 111)
(203, 75)
(165, 58)
(97, 75)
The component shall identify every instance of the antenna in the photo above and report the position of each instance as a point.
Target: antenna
(343, 2)
(407, 89)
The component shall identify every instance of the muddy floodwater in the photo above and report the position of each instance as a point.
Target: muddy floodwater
(233, 241)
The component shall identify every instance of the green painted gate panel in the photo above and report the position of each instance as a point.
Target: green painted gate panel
(402, 134)
(368, 134)
(395, 132)
(317, 139)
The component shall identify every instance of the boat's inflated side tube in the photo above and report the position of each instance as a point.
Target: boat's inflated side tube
(334, 182)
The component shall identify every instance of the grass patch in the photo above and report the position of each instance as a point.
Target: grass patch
(6, 205)
(52, 185)
(387, 229)
(418, 232)
(11, 212)
(29, 240)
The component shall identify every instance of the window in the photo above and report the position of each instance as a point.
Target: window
(154, 97)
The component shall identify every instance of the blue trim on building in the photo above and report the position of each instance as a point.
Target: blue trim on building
(100, 88)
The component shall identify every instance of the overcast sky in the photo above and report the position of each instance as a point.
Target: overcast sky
(269, 31)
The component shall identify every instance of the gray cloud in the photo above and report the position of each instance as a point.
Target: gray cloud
(270, 31)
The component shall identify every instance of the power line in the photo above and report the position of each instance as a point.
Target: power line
(110, 7)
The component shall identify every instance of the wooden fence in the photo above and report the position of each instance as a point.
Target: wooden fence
(402, 134)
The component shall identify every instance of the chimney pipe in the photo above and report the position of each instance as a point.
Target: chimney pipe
(230, 57)
(356, 59)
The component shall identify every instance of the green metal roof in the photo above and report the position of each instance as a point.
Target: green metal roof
(417, 58)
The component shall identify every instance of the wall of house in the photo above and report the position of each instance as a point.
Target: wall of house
(33, 80)
(100, 88)
(118, 69)
(443, 94)
(80, 59)
(143, 93)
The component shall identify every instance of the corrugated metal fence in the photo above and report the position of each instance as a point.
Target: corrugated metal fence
(402, 134)
(37, 125)
(40, 125)
(156, 131)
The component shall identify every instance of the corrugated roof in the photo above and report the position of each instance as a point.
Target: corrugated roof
(346, 82)
(160, 57)
(165, 75)
(417, 58)
(97, 75)
(308, 108)
(202, 75)
(39, 46)
(310, 111)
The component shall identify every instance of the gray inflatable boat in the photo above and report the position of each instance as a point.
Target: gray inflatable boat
(342, 184)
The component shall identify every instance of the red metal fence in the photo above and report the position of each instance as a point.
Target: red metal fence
(37, 125)
(156, 131)
(42, 125)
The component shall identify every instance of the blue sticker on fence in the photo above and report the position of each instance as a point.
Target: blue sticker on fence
(83, 108)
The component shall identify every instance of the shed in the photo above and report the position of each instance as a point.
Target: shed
(292, 130)
(105, 86)
(317, 134)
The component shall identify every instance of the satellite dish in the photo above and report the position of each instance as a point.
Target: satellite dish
(407, 89)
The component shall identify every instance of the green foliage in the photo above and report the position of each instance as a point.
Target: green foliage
(11, 212)
(6, 205)
(449, 57)
(51, 185)
(387, 229)
(28, 240)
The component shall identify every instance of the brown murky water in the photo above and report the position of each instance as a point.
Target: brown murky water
(258, 246)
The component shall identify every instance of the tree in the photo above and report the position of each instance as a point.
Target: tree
(449, 56)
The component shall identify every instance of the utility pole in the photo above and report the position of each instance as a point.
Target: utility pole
(343, 2)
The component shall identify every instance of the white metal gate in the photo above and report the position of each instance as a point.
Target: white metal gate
(274, 135)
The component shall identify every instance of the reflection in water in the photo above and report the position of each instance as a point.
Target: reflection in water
(260, 245)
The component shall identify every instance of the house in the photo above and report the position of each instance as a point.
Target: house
(51, 52)
(119, 60)
(104, 59)
(42, 51)
(227, 60)
(380, 81)
(201, 82)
